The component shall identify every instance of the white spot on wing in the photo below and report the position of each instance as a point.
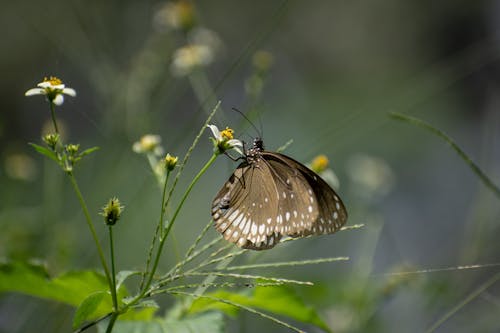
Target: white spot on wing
(254, 229)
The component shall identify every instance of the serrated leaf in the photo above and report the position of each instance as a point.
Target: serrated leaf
(210, 322)
(278, 300)
(45, 151)
(88, 151)
(87, 309)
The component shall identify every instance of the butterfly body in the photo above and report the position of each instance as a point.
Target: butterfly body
(271, 195)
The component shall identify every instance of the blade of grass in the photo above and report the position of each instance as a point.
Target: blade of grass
(218, 285)
(463, 303)
(287, 263)
(474, 167)
(249, 276)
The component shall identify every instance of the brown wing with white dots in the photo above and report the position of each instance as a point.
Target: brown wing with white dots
(244, 209)
(331, 213)
(297, 205)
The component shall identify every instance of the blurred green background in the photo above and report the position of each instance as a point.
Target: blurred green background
(338, 68)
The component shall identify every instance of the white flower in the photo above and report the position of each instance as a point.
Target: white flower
(371, 176)
(148, 143)
(223, 140)
(53, 89)
(189, 57)
(178, 15)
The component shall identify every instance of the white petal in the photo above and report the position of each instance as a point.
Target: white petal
(44, 84)
(215, 132)
(69, 91)
(58, 86)
(238, 150)
(35, 91)
(58, 100)
(235, 142)
(137, 147)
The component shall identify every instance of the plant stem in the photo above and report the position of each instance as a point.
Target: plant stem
(113, 273)
(115, 314)
(111, 323)
(91, 227)
(157, 231)
(172, 220)
(53, 114)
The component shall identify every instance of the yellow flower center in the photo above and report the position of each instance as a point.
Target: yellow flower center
(52, 80)
(227, 134)
(319, 163)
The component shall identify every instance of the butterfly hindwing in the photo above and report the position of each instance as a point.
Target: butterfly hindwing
(297, 207)
(332, 213)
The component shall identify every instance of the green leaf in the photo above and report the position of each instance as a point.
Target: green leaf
(278, 300)
(212, 322)
(88, 151)
(45, 151)
(123, 275)
(32, 279)
(87, 309)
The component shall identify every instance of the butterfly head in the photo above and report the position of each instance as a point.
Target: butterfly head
(255, 151)
(258, 144)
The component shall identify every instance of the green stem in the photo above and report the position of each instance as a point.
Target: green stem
(172, 221)
(111, 323)
(91, 227)
(113, 273)
(157, 231)
(53, 114)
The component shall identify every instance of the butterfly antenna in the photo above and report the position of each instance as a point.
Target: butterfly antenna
(259, 132)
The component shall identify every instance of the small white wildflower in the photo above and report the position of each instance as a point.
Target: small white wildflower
(148, 143)
(52, 88)
(190, 57)
(224, 140)
(371, 176)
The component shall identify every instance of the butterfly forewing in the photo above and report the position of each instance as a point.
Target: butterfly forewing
(240, 209)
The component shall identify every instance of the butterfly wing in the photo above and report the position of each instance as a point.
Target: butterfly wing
(317, 199)
(298, 208)
(241, 208)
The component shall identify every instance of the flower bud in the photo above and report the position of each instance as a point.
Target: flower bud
(112, 211)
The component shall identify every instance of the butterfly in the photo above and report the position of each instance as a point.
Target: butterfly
(271, 195)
